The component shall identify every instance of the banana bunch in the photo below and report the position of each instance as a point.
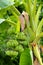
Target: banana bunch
(16, 46)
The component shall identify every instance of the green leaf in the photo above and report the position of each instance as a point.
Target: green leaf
(39, 27)
(11, 30)
(26, 6)
(5, 3)
(17, 2)
(4, 27)
(38, 37)
(15, 10)
(37, 17)
(29, 2)
(34, 8)
(2, 20)
(3, 13)
(26, 58)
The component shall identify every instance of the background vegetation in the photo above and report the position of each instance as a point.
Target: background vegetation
(12, 41)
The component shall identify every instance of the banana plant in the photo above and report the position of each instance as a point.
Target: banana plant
(30, 25)
(35, 26)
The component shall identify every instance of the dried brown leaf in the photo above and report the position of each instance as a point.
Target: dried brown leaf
(22, 22)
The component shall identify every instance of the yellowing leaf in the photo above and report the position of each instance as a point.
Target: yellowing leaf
(18, 27)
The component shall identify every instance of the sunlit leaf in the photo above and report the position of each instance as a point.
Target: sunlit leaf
(2, 20)
(18, 27)
(26, 58)
(5, 3)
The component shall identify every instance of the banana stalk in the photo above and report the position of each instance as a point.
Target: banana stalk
(37, 53)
